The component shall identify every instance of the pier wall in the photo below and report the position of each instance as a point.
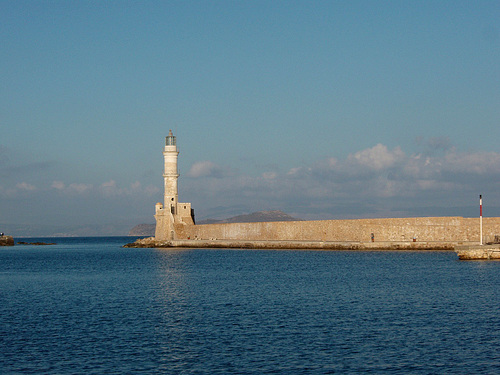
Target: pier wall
(444, 229)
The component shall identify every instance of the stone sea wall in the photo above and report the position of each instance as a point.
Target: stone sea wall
(484, 252)
(442, 229)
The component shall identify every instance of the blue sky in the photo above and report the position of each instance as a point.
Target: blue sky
(322, 109)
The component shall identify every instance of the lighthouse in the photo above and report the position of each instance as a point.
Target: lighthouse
(170, 174)
(171, 216)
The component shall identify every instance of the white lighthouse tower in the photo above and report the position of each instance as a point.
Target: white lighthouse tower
(171, 215)
(170, 174)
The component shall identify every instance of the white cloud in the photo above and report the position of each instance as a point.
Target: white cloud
(25, 186)
(476, 163)
(109, 188)
(294, 171)
(206, 168)
(80, 188)
(377, 180)
(377, 157)
(58, 185)
(111, 184)
(269, 175)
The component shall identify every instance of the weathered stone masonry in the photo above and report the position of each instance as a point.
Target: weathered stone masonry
(443, 229)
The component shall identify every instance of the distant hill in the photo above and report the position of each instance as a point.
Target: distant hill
(147, 230)
(255, 217)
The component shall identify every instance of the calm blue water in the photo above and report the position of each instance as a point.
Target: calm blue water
(88, 306)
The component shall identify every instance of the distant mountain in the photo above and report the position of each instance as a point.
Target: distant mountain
(143, 230)
(255, 217)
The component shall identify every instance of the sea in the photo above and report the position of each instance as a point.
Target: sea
(90, 306)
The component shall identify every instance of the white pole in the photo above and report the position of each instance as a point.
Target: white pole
(480, 219)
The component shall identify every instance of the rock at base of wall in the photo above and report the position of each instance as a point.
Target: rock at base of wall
(6, 241)
(150, 242)
(142, 243)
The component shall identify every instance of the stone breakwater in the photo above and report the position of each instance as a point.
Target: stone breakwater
(478, 252)
(151, 242)
(453, 230)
